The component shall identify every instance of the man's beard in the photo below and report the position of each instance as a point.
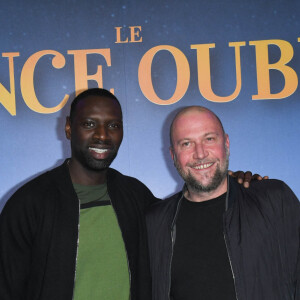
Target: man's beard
(99, 164)
(215, 182)
(89, 162)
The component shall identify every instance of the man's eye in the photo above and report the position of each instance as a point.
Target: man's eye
(210, 139)
(115, 125)
(88, 124)
(185, 144)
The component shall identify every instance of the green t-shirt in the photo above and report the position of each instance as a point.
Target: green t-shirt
(102, 267)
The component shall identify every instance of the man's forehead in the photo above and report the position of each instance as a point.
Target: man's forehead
(98, 104)
(194, 115)
(95, 99)
(194, 120)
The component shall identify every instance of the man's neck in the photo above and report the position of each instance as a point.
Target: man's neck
(197, 196)
(81, 175)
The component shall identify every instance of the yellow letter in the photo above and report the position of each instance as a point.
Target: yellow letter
(27, 81)
(80, 66)
(183, 75)
(134, 33)
(263, 67)
(204, 77)
(118, 31)
(7, 99)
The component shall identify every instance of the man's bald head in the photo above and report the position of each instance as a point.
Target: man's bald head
(188, 109)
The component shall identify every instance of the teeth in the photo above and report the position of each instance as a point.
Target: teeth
(98, 150)
(204, 166)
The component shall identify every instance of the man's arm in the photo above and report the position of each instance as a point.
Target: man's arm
(15, 249)
(291, 235)
(292, 215)
(297, 296)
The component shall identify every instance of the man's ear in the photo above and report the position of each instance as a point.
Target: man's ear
(171, 152)
(68, 128)
(227, 143)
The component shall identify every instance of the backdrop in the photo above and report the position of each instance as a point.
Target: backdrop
(238, 58)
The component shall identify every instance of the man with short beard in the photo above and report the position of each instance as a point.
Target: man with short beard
(44, 253)
(215, 239)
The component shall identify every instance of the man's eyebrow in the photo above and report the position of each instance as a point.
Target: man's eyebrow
(96, 117)
(184, 139)
(213, 132)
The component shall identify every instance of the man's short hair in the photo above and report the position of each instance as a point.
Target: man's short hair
(188, 108)
(91, 92)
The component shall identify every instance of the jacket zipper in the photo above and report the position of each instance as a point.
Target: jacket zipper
(226, 244)
(78, 228)
(230, 266)
(171, 258)
(128, 266)
(173, 238)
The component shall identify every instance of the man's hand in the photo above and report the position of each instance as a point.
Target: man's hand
(246, 177)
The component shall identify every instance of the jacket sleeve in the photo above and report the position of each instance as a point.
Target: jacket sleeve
(297, 297)
(291, 215)
(16, 235)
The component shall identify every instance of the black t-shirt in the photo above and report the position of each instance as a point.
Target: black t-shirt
(200, 263)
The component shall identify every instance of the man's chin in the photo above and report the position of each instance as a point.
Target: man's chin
(98, 164)
(200, 187)
(206, 184)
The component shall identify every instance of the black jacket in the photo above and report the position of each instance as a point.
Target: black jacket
(39, 233)
(261, 231)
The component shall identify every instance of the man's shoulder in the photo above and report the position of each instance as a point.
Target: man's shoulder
(270, 186)
(43, 181)
(166, 206)
(269, 193)
(37, 189)
(260, 186)
(161, 214)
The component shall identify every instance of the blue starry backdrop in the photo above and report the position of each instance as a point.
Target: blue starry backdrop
(264, 133)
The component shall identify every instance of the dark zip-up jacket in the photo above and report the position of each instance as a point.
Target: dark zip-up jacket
(39, 236)
(261, 232)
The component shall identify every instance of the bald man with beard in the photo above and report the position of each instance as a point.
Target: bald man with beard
(216, 239)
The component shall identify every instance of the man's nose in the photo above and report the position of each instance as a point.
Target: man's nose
(101, 133)
(200, 151)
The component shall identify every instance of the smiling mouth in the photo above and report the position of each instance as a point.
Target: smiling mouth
(202, 166)
(97, 150)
